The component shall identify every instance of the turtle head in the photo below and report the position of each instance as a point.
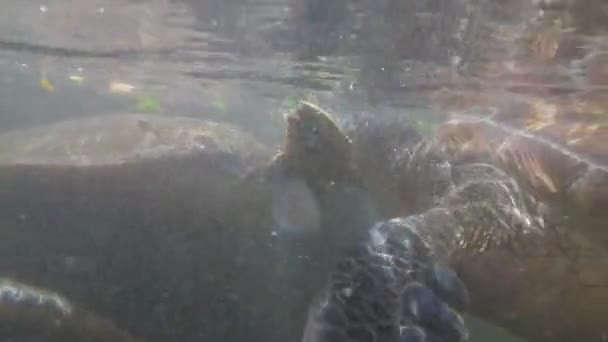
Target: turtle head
(311, 130)
(315, 148)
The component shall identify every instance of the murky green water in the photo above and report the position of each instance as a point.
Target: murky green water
(238, 61)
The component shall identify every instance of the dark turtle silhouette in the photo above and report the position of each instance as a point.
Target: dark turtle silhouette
(87, 203)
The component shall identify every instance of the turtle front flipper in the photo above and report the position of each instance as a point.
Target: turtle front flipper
(390, 289)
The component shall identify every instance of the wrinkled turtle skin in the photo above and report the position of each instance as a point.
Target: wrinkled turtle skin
(558, 157)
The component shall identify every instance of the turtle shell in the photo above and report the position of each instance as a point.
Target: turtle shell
(118, 139)
(114, 168)
(554, 148)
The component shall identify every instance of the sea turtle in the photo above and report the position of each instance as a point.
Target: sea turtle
(173, 244)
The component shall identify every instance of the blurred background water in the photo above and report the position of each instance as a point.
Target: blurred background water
(214, 58)
(249, 61)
